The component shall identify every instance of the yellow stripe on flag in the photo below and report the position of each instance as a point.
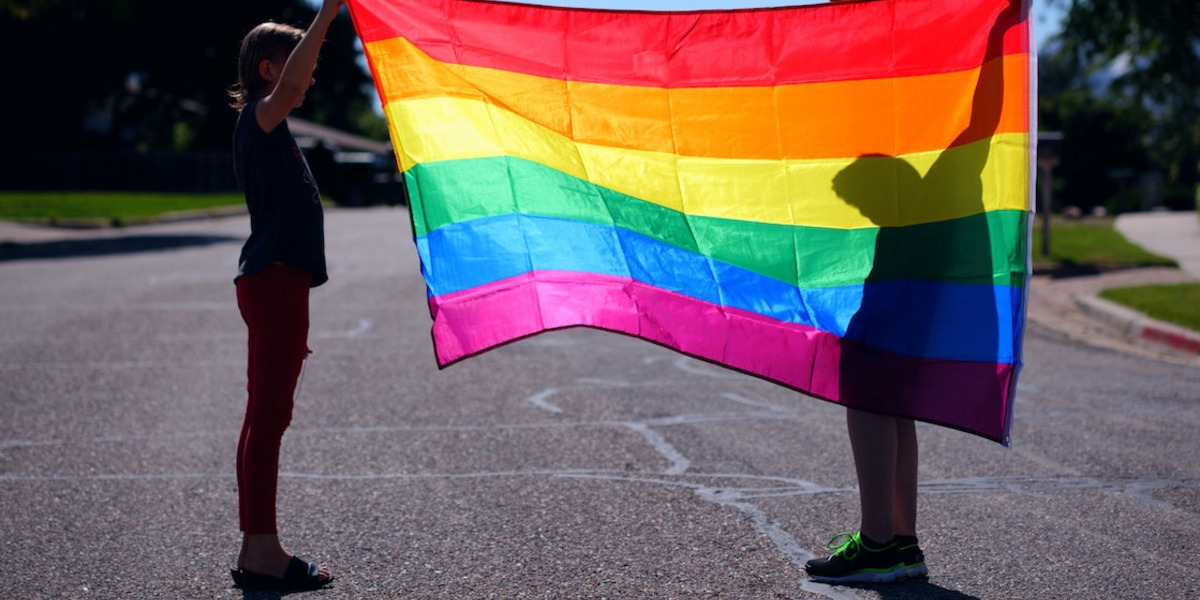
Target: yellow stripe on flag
(795, 192)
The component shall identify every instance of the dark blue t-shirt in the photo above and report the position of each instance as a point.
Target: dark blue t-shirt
(286, 221)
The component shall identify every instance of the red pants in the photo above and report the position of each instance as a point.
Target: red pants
(274, 305)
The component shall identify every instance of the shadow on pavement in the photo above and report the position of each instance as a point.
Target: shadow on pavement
(280, 594)
(263, 595)
(1068, 269)
(106, 246)
(912, 589)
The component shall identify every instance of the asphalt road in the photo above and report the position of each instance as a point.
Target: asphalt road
(576, 464)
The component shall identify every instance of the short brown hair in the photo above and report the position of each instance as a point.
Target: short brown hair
(268, 41)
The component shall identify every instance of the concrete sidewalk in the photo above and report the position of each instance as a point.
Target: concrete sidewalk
(20, 233)
(1172, 234)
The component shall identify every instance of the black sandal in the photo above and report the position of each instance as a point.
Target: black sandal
(300, 576)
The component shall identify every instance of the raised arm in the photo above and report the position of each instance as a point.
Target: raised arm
(986, 109)
(295, 76)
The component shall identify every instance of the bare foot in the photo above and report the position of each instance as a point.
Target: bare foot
(263, 554)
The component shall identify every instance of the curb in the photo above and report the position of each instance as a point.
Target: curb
(1137, 327)
(95, 223)
(19, 232)
(191, 215)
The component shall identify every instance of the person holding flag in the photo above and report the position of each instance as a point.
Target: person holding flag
(282, 259)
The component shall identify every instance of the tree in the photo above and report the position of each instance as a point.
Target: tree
(1104, 137)
(150, 75)
(1150, 52)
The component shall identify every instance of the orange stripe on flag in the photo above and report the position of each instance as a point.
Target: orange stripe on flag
(840, 119)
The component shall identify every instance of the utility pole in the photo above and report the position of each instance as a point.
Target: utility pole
(1049, 146)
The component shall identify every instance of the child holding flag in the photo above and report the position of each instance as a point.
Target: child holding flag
(283, 257)
(884, 446)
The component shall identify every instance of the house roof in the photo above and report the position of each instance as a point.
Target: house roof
(307, 135)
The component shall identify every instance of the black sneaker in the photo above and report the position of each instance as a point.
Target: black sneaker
(856, 562)
(910, 553)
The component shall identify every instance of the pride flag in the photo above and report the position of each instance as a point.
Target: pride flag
(832, 197)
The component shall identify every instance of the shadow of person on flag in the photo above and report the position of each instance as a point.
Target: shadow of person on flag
(925, 342)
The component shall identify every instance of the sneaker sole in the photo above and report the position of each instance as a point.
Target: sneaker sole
(864, 577)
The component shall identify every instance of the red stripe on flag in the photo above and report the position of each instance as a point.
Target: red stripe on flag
(883, 38)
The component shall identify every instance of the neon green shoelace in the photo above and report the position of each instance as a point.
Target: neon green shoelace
(845, 544)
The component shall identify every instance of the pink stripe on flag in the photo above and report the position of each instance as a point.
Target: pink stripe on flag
(958, 394)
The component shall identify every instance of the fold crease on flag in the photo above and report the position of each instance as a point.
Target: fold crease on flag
(833, 197)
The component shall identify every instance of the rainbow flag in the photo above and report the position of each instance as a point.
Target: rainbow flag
(833, 197)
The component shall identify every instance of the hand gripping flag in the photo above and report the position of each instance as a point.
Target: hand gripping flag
(832, 197)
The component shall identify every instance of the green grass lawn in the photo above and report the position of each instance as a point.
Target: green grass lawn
(1094, 245)
(1090, 244)
(1178, 304)
(114, 208)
